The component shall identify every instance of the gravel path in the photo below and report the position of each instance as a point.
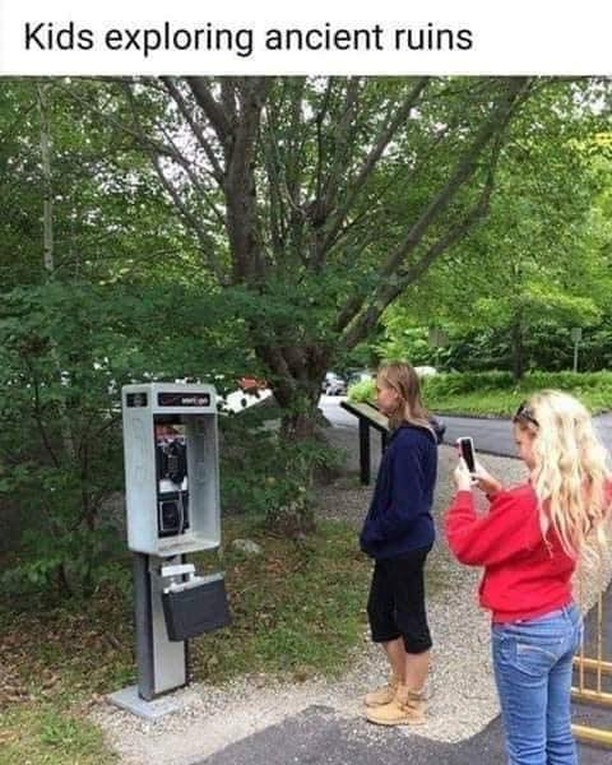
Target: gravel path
(461, 689)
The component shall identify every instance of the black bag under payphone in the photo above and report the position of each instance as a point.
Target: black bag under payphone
(172, 479)
(195, 607)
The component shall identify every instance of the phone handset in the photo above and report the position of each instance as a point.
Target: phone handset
(176, 463)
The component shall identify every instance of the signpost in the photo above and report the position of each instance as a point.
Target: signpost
(369, 417)
(576, 335)
(437, 339)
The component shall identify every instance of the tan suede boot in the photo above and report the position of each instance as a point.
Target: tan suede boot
(407, 708)
(383, 695)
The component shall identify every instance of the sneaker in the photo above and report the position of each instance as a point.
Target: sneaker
(383, 695)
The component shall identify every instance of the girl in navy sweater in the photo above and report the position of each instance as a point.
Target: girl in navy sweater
(398, 534)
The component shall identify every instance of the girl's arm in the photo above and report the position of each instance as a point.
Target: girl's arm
(510, 527)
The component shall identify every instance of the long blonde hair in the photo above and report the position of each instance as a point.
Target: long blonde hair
(570, 470)
(405, 382)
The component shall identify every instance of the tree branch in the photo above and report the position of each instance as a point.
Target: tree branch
(178, 99)
(213, 111)
(357, 318)
(208, 246)
(464, 169)
(240, 185)
(386, 135)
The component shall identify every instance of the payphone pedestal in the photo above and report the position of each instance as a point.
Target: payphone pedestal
(161, 662)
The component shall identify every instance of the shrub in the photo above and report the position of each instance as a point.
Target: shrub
(498, 393)
(364, 390)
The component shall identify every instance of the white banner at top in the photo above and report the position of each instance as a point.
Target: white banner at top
(265, 37)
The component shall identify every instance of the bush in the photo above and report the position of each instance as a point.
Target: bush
(364, 390)
(498, 394)
(454, 383)
(260, 475)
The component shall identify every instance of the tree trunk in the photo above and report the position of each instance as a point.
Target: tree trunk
(300, 417)
(300, 440)
(48, 248)
(518, 347)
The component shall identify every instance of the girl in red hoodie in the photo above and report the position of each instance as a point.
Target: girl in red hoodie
(529, 543)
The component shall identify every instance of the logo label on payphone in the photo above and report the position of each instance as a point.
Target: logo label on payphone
(183, 399)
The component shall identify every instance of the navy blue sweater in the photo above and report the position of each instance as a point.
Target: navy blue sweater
(399, 518)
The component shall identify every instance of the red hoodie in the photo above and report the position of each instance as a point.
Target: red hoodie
(525, 575)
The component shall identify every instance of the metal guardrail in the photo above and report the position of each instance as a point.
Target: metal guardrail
(593, 670)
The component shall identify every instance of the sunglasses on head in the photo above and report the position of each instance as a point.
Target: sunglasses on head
(525, 414)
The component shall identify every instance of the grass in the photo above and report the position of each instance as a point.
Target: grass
(503, 403)
(47, 734)
(496, 394)
(480, 403)
(298, 609)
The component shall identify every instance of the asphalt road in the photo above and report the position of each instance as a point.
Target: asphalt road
(494, 436)
(317, 736)
(491, 435)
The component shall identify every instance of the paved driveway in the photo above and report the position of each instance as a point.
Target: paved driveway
(318, 736)
(491, 435)
(494, 436)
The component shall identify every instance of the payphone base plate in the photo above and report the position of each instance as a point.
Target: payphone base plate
(129, 700)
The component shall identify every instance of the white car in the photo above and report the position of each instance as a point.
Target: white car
(361, 375)
(426, 371)
(334, 385)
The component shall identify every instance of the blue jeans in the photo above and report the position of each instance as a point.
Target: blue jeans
(532, 661)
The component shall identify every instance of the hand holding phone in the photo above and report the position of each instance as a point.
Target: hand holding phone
(466, 448)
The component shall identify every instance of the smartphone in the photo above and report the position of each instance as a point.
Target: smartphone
(466, 447)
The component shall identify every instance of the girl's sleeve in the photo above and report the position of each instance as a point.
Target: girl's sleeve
(509, 528)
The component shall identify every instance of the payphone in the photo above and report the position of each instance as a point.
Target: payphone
(172, 502)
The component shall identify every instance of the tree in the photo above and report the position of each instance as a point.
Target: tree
(311, 203)
(535, 260)
(300, 173)
(85, 308)
(334, 195)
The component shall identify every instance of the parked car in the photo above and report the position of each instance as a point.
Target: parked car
(359, 375)
(334, 385)
(426, 371)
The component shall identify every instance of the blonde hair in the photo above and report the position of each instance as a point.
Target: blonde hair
(405, 382)
(570, 471)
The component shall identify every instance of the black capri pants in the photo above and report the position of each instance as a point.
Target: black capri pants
(396, 605)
